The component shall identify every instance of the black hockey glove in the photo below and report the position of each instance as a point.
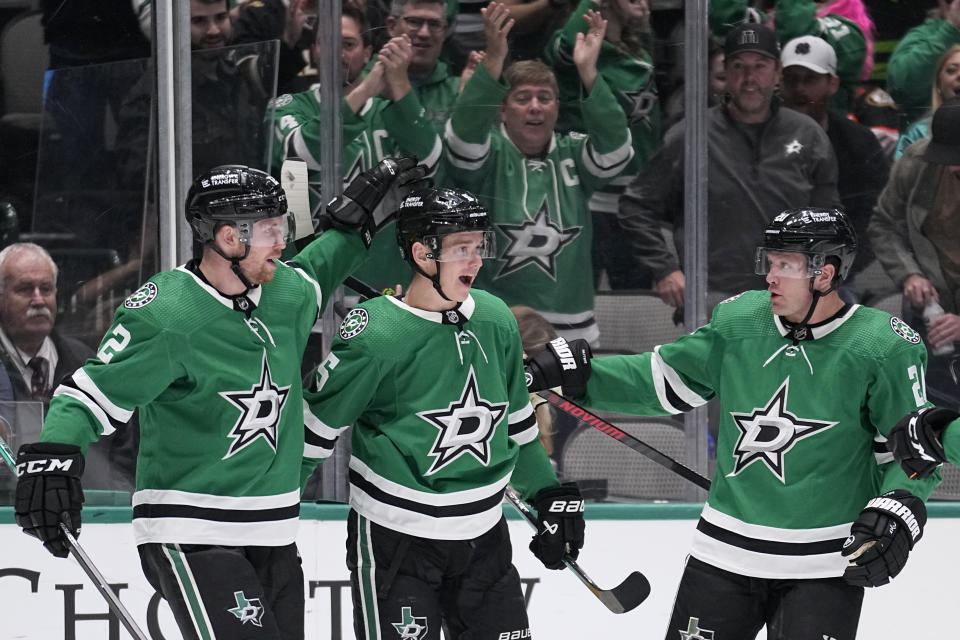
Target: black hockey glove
(48, 493)
(882, 537)
(560, 364)
(354, 210)
(561, 525)
(916, 441)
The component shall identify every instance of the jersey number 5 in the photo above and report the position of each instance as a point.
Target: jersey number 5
(323, 371)
(115, 344)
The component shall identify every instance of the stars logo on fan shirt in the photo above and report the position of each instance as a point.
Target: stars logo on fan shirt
(247, 609)
(410, 627)
(260, 409)
(793, 147)
(694, 632)
(768, 433)
(466, 427)
(537, 242)
(639, 104)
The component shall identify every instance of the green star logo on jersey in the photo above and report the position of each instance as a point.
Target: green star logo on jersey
(639, 104)
(466, 427)
(260, 408)
(536, 242)
(694, 632)
(768, 433)
(247, 609)
(410, 627)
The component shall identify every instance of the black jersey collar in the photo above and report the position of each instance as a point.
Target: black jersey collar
(787, 329)
(249, 299)
(456, 316)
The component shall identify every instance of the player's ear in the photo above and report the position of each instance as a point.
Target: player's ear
(228, 237)
(420, 252)
(827, 272)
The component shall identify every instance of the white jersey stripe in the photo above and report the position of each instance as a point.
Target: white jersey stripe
(204, 500)
(423, 497)
(672, 378)
(275, 533)
(421, 525)
(85, 384)
(93, 407)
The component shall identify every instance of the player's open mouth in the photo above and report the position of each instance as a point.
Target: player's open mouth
(466, 280)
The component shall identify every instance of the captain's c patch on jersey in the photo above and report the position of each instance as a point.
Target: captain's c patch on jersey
(142, 296)
(355, 322)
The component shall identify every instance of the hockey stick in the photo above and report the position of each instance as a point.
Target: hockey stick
(624, 597)
(86, 564)
(572, 409)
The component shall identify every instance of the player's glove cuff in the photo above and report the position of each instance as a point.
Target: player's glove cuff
(916, 441)
(560, 364)
(882, 536)
(49, 492)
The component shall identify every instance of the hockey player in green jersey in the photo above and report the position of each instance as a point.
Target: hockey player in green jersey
(433, 386)
(806, 506)
(537, 184)
(210, 354)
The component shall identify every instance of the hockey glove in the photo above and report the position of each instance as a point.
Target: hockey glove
(916, 441)
(354, 210)
(882, 537)
(560, 364)
(560, 524)
(48, 493)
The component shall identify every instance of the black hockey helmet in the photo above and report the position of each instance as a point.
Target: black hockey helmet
(426, 215)
(817, 232)
(234, 194)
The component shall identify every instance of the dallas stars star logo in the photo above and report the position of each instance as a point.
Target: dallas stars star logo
(694, 632)
(260, 409)
(535, 242)
(466, 427)
(639, 104)
(410, 627)
(768, 433)
(793, 147)
(247, 609)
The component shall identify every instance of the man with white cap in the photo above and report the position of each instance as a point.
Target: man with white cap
(809, 82)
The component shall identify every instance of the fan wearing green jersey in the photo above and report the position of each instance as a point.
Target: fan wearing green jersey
(535, 183)
(433, 387)
(806, 507)
(626, 65)
(209, 353)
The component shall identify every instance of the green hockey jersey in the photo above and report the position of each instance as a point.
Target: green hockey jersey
(630, 78)
(539, 205)
(440, 414)
(217, 382)
(380, 129)
(801, 440)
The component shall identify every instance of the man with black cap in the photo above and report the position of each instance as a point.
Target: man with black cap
(762, 159)
(914, 233)
(809, 83)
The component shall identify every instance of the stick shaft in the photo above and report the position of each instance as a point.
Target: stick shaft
(85, 563)
(574, 410)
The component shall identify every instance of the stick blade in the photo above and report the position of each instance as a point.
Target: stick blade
(627, 595)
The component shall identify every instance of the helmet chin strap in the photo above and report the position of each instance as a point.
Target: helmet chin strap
(813, 306)
(235, 264)
(434, 279)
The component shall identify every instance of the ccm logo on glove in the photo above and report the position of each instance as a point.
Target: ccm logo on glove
(49, 465)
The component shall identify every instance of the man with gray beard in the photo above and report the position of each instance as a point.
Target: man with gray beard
(35, 356)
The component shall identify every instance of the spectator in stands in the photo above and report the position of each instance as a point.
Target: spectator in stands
(809, 81)
(627, 68)
(36, 355)
(845, 24)
(534, 182)
(762, 159)
(716, 84)
(946, 85)
(382, 115)
(914, 234)
(283, 20)
(910, 71)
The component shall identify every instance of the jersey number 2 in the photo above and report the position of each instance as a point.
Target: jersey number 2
(110, 348)
(919, 393)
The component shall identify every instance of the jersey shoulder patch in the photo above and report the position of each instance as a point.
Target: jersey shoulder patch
(280, 101)
(354, 323)
(904, 330)
(142, 296)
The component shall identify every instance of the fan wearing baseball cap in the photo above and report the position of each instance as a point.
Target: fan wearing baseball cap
(763, 159)
(914, 233)
(809, 82)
